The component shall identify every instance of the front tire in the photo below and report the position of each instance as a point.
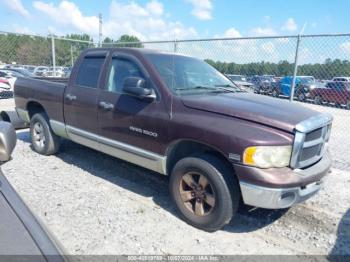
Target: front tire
(348, 105)
(318, 100)
(43, 139)
(275, 93)
(204, 192)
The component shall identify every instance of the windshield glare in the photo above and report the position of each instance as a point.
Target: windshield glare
(181, 74)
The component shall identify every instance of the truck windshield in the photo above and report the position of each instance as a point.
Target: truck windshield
(185, 75)
(307, 80)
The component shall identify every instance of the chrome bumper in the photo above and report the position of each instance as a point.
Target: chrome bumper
(275, 198)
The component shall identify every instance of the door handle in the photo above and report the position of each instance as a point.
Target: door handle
(106, 106)
(71, 97)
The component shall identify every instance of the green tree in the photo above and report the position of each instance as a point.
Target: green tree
(130, 41)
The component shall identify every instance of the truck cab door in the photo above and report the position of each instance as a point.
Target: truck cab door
(128, 123)
(81, 96)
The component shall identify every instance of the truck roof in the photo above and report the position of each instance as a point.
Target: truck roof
(134, 50)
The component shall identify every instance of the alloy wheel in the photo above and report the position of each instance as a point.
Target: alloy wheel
(39, 135)
(197, 194)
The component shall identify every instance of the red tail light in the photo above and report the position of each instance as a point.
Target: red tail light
(4, 81)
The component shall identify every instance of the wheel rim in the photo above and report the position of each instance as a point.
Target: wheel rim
(274, 93)
(197, 194)
(301, 97)
(38, 135)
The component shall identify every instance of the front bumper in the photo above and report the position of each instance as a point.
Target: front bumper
(281, 188)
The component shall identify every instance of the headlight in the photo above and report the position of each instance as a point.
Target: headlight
(267, 156)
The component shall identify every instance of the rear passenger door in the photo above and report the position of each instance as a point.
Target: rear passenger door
(81, 95)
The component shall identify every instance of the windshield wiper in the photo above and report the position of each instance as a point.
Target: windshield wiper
(213, 88)
(225, 87)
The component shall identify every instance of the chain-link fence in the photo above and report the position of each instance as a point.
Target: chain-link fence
(36, 56)
(312, 69)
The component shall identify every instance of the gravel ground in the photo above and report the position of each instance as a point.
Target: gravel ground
(96, 204)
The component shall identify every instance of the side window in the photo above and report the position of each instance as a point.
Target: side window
(339, 86)
(120, 70)
(89, 72)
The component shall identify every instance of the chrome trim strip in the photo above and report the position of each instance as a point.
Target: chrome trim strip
(314, 142)
(310, 161)
(297, 147)
(59, 128)
(118, 149)
(314, 122)
(23, 114)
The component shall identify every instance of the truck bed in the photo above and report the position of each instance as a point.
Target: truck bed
(48, 93)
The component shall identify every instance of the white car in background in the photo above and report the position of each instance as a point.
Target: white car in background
(58, 72)
(240, 81)
(4, 85)
(8, 79)
(40, 70)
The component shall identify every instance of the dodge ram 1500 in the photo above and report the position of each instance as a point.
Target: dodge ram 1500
(178, 116)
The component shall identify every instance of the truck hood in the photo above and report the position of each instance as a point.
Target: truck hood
(261, 109)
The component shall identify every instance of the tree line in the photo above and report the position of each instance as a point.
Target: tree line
(34, 50)
(327, 70)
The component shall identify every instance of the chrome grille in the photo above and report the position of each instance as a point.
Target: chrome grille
(310, 140)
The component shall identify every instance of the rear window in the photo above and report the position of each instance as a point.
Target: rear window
(89, 72)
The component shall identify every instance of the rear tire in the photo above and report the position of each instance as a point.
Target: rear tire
(205, 193)
(43, 139)
(318, 100)
(275, 93)
(301, 96)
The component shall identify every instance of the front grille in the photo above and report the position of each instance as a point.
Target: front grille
(310, 140)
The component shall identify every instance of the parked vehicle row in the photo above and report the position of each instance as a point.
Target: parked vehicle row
(335, 91)
(40, 71)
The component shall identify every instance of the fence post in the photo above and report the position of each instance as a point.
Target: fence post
(100, 30)
(291, 97)
(175, 46)
(53, 54)
(71, 55)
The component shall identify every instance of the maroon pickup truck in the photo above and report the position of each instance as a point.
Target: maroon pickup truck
(178, 116)
(332, 92)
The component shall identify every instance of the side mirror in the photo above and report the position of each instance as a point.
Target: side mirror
(137, 86)
(7, 140)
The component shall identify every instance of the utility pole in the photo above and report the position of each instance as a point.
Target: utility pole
(100, 30)
(292, 89)
(71, 54)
